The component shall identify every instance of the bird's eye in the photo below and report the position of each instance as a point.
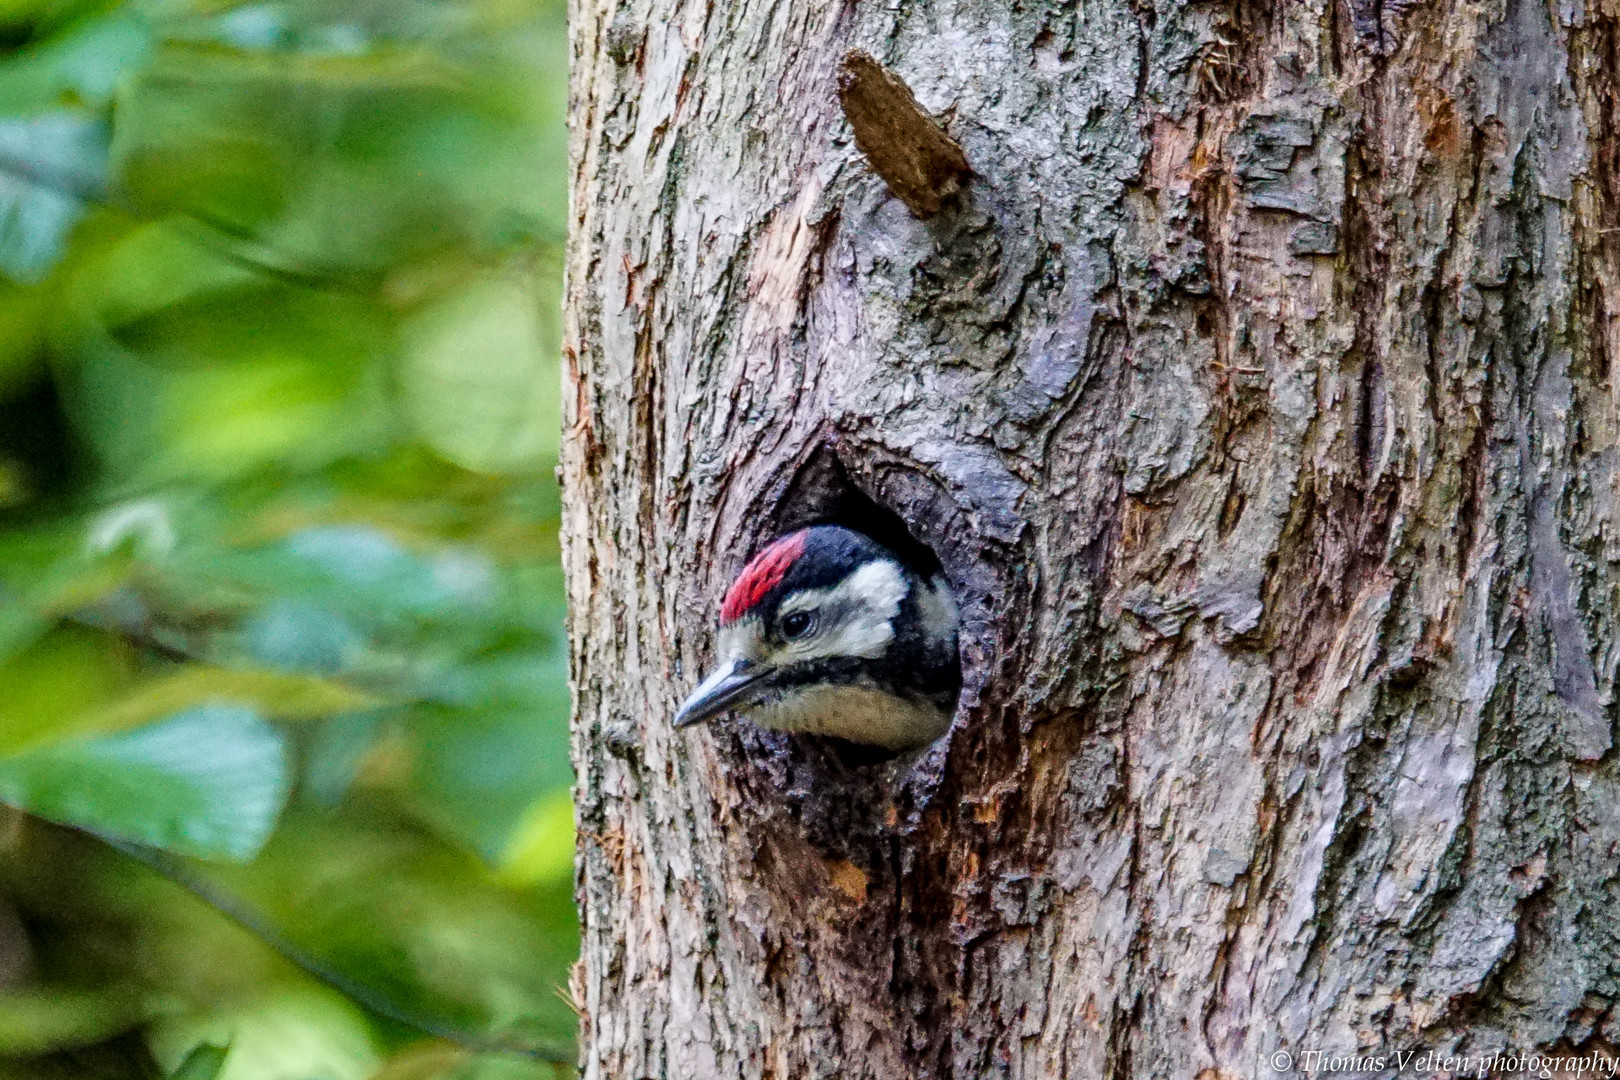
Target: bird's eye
(798, 624)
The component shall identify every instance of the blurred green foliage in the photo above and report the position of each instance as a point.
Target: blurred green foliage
(283, 714)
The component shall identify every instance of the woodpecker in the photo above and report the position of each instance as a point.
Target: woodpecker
(826, 632)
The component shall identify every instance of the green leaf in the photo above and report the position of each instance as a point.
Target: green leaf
(285, 1032)
(392, 69)
(479, 382)
(43, 689)
(541, 848)
(83, 63)
(203, 1063)
(224, 422)
(477, 772)
(270, 693)
(42, 1019)
(57, 590)
(50, 165)
(415, 924)
(210, 782)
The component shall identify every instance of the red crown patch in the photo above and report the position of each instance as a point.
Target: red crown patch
(762, 574)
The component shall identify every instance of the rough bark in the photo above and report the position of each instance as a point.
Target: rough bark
(1256, 394)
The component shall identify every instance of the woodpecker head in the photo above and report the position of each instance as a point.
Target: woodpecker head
(826, 632)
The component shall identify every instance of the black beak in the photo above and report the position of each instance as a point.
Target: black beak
(736, 684)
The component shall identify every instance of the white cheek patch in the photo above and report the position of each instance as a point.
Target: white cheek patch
(861, 608)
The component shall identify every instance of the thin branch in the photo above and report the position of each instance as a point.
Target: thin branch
(257, 924)
(87, 189)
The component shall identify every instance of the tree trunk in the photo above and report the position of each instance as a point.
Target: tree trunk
(1255, 393)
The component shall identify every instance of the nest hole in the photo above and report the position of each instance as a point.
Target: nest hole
(849, 799)
(823, 494)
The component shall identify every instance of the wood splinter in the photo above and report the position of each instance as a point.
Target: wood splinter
(905, 146)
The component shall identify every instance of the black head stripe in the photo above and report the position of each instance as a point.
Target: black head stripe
(831, 553)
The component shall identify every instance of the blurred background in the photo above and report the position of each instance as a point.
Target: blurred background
(283, 719)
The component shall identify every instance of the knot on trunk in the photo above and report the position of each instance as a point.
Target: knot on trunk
(905, 146)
